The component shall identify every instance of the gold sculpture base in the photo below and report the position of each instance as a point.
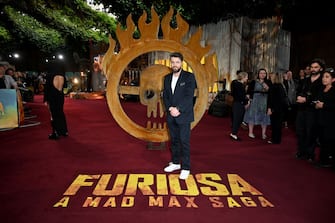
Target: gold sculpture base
(87, 95)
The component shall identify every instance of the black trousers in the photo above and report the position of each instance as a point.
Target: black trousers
(180, 143)
(327, 143)
(56, 106)
(306, 133)
(238, 111)
(276, 127)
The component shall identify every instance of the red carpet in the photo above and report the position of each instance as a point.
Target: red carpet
(123, 181)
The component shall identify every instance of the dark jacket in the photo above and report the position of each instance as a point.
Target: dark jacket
(182, 98)
(277, 98)
(326, 115)
(238, 92)
(310, 90)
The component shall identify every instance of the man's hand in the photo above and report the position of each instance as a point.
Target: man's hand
(301, 99)
(174, 112)
(319, 104)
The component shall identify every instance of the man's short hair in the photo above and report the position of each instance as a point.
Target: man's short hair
(319, 61)
(9, 69)
(177, 54)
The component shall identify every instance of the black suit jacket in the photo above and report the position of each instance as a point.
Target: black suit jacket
(182, 97)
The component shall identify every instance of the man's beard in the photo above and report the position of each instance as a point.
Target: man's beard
(315, 72)
(176, 70)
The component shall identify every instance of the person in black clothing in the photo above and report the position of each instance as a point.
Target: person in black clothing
(306, 114)
(325, 106)
(240, 102)
(290, 85)
(54, 99)
(178, 98)
(276, 107)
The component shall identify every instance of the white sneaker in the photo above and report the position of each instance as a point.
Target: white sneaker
(184, 174)
(172, 167)
(251, 135)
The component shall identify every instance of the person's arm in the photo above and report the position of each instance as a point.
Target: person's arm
(327, 105)
(12, 82)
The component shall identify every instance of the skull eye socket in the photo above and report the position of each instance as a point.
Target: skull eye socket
(149, 94)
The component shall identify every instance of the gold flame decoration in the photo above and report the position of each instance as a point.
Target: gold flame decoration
(114, 63)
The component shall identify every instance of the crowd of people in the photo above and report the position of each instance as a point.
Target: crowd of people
(279, 100)
(51, 84)
(28, 83)
(275, 100)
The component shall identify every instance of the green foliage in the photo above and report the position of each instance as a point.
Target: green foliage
(4, 34)
(86, 25)
(27, 27)
(47, 25)
(99, 19)
(122, 8)
(50, 25)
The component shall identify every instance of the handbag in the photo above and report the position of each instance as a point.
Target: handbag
(229, 100)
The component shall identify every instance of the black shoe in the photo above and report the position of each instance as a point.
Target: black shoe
(65, 134)
(311, 159)
(273, 142)
(323, 165)
(300, 156)
(53, 136)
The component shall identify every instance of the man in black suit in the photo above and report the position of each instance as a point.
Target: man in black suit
(178, 95)
(307, 94)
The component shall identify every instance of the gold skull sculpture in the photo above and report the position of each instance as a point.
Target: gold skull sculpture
(151, 78)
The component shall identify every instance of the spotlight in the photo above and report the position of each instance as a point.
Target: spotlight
(75, 81)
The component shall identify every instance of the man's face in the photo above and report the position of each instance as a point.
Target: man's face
(307, 70)
(315, 68)
(176, 64)
(10, 72)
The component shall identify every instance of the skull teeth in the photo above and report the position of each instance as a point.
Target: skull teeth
(155, 125)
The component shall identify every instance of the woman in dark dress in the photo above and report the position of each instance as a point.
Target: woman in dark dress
(276, 107)
(325, 106)
(240, 103)
(54, 99)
